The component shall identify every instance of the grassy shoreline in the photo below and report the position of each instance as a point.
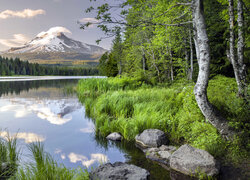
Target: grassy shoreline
(129, 106)
(42, 165)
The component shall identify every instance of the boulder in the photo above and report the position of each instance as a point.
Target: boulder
(191, 161)
(114, 136)
(161, 155)
(168, 148)
(151, 138)
(119, 171)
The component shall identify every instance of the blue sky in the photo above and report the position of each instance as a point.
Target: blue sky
(22, 20)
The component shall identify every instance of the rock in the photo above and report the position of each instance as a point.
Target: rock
(4, 166)
(114, 136)
(190, 161)
(168, 148)
(151, 138)
(119, 171)
(150, 150)
(165, 155)
(155, 154)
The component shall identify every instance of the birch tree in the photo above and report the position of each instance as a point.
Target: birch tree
(200, 90)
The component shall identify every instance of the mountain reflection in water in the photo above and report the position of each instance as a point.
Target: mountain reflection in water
(43, 111)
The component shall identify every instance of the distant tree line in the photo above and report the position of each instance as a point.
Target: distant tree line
(16, 87)
(9, 67)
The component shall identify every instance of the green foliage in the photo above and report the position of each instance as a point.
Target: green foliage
(44, 167)
(129, 109)
(9, 156)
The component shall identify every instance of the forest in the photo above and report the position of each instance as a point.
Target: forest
(10, 67)
(178, 66)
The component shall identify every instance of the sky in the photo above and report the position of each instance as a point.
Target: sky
(22, 20)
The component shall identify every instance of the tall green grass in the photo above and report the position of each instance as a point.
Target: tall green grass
(130, 108)
(45, 167)
(41, 167)
(9, 156)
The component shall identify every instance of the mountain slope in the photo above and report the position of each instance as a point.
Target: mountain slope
(54, 47)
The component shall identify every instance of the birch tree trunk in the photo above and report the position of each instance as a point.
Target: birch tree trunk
(237, 66)
(240, 49)
(200, 90)
(191, 56)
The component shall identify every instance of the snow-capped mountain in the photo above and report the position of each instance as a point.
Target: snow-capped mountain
(54, 44)
(54, 40)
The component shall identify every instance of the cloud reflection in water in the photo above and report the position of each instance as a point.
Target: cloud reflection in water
(27, 137)
(99, 158)
(57, 112)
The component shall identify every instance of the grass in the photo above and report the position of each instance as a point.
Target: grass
(41, 167)
(128, 106)
(9, 156)
(45, 167)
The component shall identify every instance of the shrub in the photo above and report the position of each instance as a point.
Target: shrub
(128, 106)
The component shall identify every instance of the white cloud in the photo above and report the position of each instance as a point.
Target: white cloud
(74, 158)
(54, 31)
(26, 13)
(90, 20)
(28, 137)
(18, 40)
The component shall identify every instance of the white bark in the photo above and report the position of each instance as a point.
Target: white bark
(240, 50)
(191, 56)
(200, 89)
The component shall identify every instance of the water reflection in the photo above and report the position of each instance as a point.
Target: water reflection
(27, 137)
(94, 158)
(42, 111)
(54, 111)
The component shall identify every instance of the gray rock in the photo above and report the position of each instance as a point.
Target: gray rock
(165, 155)
(119, 171)
(151, 138)
(168, 148)
(150, 150)
(155, 154)
(114, 136)
(190, 161)
(4, 166)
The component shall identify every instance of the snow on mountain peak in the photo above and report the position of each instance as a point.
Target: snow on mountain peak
(54, 31)
(54, 40)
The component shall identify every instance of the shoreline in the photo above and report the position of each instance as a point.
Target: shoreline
(37, 78)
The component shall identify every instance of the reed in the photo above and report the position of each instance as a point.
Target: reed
(9, 156)
(129, 107)
(45, 167)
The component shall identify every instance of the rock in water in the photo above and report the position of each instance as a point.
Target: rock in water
(119, 171)
(189, 160)
(151, 138)
(114, 137)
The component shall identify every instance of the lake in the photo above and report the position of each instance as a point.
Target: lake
(40, 109)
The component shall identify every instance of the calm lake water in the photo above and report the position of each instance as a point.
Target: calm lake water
(41, 110)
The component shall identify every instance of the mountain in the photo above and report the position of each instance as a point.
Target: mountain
(54, 47)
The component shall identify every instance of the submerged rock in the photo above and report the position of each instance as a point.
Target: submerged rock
(114, 136)
(161, 155)
(191, 161)
(119, 170)
(151, 138)
(168, 148)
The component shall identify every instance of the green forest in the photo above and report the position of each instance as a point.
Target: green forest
(10, 67)
(178, 66)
